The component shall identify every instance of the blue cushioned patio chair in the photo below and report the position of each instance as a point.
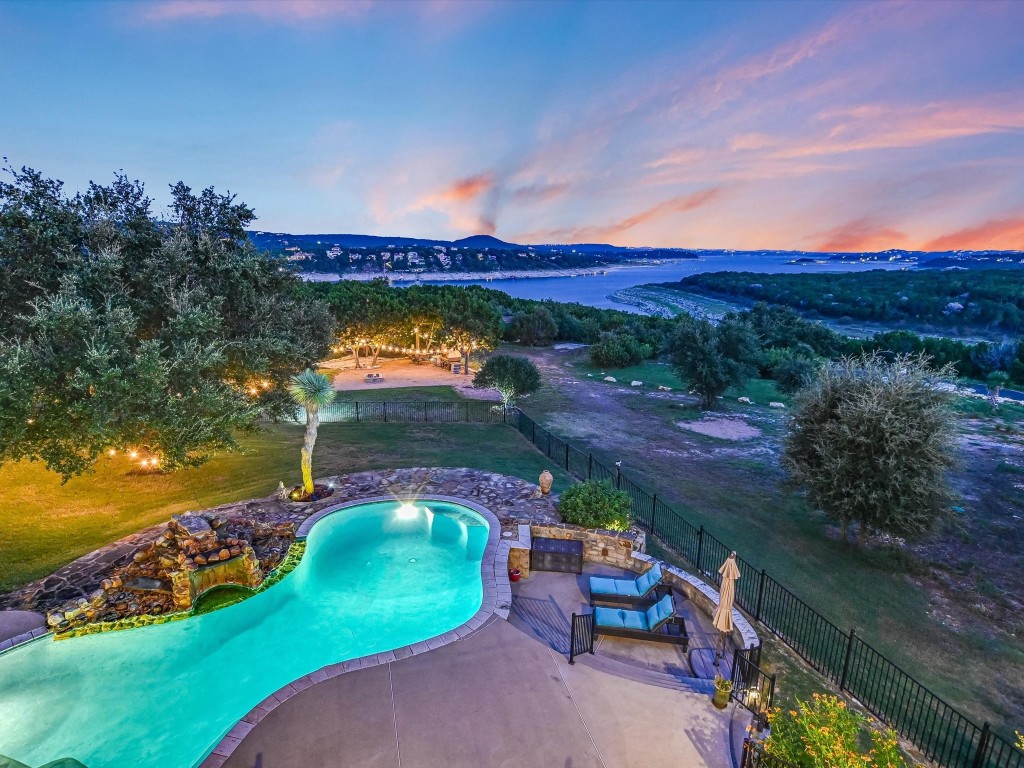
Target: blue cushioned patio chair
(642, 591)
(658, 623)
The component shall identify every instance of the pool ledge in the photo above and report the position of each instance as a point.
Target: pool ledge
(497, 601)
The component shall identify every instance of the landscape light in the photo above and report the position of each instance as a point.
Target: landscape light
(133, 454)
(111, 452)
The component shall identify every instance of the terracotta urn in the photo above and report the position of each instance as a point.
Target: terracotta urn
(546, 479)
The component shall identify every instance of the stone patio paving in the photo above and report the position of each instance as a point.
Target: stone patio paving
(498, 698)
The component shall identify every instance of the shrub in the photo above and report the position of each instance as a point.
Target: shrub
(825, 733)
(617, 350)
(792, 374)
(595, 504)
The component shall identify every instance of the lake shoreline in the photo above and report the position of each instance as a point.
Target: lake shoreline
(475, 277)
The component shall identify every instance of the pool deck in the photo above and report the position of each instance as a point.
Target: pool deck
(504, 696)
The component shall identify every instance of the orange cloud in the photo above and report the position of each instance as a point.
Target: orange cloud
(860, 235)
(459, 191)
(998, 234)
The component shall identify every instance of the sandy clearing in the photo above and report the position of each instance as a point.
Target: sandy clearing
(724, 429)
(402, 373)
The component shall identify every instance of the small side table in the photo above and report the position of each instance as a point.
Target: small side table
(563, 555)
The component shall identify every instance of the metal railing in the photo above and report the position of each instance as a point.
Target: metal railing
(755, 757)
(581, 635)
(939, 730)
(752, 687)
(404, 412)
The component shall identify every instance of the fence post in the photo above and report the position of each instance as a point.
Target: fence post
(760, 596)
(654, 511)
(590, 466)
(357, 411)
(424, 410)
(618, 476)
(385, 411)
(566, 457)
(979, 756)
(533, 428)
(700, 547)
(846, 661)
(467, 410)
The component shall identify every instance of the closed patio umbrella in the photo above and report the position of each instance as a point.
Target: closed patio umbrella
(726, 596)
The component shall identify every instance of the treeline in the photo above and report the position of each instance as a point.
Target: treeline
(991, 300)
(767, 341)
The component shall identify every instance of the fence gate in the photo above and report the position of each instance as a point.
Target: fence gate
(751, 687)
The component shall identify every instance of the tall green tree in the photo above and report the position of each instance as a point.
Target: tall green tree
(708, 359)
(312, 391)
(512, 376)
(872, 443)
(120, 330)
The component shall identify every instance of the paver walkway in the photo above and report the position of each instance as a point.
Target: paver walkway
(498, 698)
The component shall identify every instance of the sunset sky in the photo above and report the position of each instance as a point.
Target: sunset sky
(831, 126)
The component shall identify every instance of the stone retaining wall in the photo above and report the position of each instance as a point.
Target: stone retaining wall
(607, 547)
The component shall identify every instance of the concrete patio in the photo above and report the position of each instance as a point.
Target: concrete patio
(506, 696)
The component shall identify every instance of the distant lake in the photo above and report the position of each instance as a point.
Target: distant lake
(594, 290)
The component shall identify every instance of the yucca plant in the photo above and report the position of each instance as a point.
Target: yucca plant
(312, 391)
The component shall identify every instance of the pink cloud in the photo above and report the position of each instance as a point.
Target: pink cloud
(873, 126)
(279, 10)
(597, 233)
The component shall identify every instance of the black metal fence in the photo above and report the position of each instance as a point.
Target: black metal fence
(475, 411)
(751, 686)
(755, 757)
(581, 635)
(943, 734)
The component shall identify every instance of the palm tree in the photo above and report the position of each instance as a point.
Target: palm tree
(312, 391)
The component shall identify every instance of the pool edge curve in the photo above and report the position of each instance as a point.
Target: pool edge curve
(497, 601)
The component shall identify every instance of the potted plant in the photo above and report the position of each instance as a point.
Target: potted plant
(514, 574)
(723, 688)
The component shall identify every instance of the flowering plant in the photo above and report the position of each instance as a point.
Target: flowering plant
(825, 733)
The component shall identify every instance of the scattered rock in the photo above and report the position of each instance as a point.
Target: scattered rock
(612, 379)
(776, 404)
(746, 401)
(636, 383)
(663, 388)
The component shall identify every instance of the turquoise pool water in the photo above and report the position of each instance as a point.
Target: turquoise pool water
(374, 578)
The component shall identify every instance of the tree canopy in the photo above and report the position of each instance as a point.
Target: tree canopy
(512, 376)
(872, 441)
(120, 331)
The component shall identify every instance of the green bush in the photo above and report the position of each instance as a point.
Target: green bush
(618, 350)
(595, 504)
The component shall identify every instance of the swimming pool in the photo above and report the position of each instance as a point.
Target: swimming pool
(375, 577)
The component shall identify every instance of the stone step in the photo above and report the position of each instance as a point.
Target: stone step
(644, 675)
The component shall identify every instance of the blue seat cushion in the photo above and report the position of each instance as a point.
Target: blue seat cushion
(620, 619)
(659, 613)
(602, 586)
(647, 581)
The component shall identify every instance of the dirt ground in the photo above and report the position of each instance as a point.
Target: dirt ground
(400, 372)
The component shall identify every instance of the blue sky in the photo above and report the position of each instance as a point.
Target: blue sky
(780, 125)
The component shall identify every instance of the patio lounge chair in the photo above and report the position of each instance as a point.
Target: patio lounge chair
(641, 591)
(656, 623)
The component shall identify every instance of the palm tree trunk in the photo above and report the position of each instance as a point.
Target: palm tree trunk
(312, 424)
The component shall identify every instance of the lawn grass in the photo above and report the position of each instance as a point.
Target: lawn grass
(445, 394)
(44, 525)
(653, 374)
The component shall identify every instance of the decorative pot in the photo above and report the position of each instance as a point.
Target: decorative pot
(546, 479)
(514, 575)
(723, 688)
